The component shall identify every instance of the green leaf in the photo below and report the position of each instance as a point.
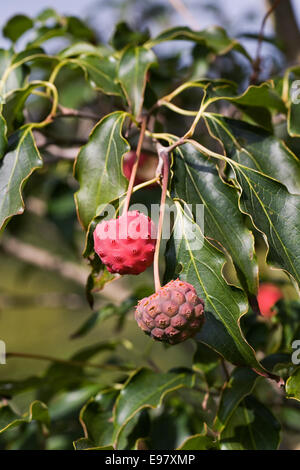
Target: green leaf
(89, 351)
(99, 275)
(3, 138)
(134, 65)
(201, 264)
(256, 102)
(17, 26)
(256, 148)
(96, 418)
(13, 387)
(251, 427)
(14, 105)
(207, 362)
(240, 384)
(106, 312)
(102, 71)
(17, 165)
(93, 320)
(196, 181)
(85, 444)
(38, 411)
(98, 167)
(293, 385)
(261, 96)
(46, 33)
(79, 30)
(29, 55)
(70, 401)
(197, 442)
(15, 78)
(124, 35)
(47, 14)
(215, 38)
(146, 389)
(276, 217)
(81, 48)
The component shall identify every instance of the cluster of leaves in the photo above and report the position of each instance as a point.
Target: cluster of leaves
(248, 180)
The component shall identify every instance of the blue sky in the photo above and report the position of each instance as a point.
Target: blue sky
(236, 13)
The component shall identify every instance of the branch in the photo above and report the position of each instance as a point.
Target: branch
(257, 61)
(183, 11)
(48, 261)
(136, 164)
(287, 29)
(164, 158)
(69, 112)
(41, 357)
(43, 259)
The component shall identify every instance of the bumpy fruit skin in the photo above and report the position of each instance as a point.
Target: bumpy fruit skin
(126, 245)
(173, 314)
(268, 295)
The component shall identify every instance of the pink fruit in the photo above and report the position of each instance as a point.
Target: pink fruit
(173, 314)
(126, 245)
(146, 168)
(268, 295)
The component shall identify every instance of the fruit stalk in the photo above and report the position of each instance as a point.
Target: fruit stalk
(136, 164)
(164, 157)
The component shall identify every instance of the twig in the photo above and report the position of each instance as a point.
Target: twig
(47, 261)
(163, 156)
(136, 164)
(257, 61)
(41, 357)
(183, 11)
(69, 112)
(205, 391)
(224, 367)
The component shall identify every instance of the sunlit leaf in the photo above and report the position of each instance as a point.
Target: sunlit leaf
(256, 148)
(38, 411)
(16, 166)
(196, 181)
(133, 68)
(240, 384)
(293, 385)
(98, 167)
(17, 26)
(251, 427)
(214, 38)
(145, 389)
(198, 262)
(197, 442)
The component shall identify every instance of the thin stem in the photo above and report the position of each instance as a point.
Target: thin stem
(257, 61)
(178, 90)
(176, 109)
(69, 113)
(41, 357)
(15, 65)
(183, 11)
(57, 68)
(224, 367)
(136, 164)
(138, 187)
(164, 156)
